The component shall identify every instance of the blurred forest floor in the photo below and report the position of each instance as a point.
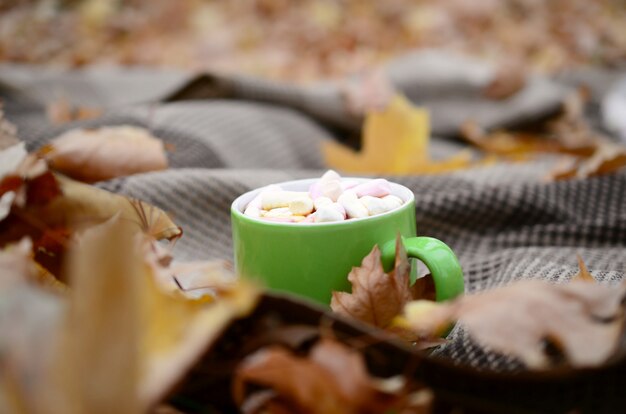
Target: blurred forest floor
(310, 39)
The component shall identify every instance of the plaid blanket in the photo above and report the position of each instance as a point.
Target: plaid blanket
(232, 134)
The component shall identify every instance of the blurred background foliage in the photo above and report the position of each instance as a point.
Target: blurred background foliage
(310, 39)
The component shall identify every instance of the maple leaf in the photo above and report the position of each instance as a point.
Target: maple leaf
(580, 319)
(331, 379)
(105, 153)
(395, 141)
(377, 297)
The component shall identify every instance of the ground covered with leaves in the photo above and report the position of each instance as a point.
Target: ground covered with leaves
(266, 37)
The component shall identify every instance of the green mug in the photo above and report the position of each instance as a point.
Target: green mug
(314, 259)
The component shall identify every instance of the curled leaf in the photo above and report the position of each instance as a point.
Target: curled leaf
(105, 153)
(331, 379)
(583, 321)
(82, 205)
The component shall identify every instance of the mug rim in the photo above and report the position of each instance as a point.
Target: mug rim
(237, 210)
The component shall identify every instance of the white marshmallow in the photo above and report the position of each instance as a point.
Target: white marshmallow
(278, 199)
(327, 214)
(354, 208)
(331, 189)
(322, 201)
(374, 205)
(301, 206)
(330, 175)
(252, 211)
(282, 212)
(392, 201)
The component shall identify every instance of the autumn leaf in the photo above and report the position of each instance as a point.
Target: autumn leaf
(125, 341)
(395, 141)
(377, 297)
(582, 320)
(607, 158)
(105, 153)
(82, 205)
(331, 379)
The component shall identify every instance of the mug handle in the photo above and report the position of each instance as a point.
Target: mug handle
(439, 259)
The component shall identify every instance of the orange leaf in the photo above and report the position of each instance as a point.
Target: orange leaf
(105, 153)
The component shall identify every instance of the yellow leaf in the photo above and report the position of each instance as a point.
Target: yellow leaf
(395, 141)
(127, 342)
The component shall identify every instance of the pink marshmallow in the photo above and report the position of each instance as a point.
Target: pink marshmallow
(375, 188)
(315, 190)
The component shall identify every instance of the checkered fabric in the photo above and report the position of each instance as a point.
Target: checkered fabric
(504, 221)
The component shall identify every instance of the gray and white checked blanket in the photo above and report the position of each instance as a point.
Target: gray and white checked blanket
(233, 134)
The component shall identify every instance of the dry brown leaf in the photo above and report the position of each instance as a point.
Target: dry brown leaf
(376, 297)
(580, 319)
(606, 159)
(62, 111)
(331, 379)
(83, 205)
(144, 343)
(105, 153)
(395, 141)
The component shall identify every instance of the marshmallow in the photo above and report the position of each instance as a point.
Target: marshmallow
(330, 185)
(298, 202)
(282, 212)
(252, 211)
(256, 201)
(353, 206)
(327, 214)
(374, 205)
(322, 201)
(392, 201)
(375, 188)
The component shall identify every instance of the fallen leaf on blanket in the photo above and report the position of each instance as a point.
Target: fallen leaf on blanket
(521, 145)
(144, 338)
(370, 92)
(395, 141)
(62, 111)
(332, 378)
(607, 158)
(540, 323)
(509, 79)
(8, 131)
(50, 209)
(82, 205)
(101, 154)
(377, 297)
